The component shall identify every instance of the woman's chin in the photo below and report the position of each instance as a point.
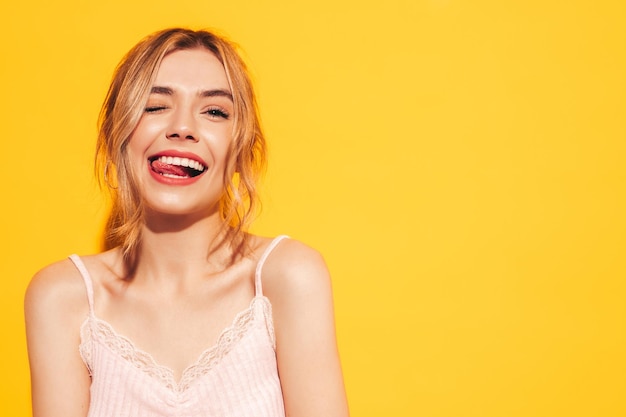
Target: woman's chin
(173, 208)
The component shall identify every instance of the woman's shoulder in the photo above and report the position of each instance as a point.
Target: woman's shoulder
(54, 293)
(290, 254)
(294, 269)
(60, 285)
(60, 279)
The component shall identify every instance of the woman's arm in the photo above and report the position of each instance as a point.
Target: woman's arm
(298, 284)
(55, 306)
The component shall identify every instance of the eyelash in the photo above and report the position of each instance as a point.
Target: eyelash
(217, 112)
(154, 109)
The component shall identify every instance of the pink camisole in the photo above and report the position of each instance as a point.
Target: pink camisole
(238, 377)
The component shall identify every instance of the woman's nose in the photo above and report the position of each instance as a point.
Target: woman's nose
(182, 126)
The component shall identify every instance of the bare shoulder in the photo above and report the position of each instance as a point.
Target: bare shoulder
(294, 270)
(292, 260)
(60, 287)
(56, 287)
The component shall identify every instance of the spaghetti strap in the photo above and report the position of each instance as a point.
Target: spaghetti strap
(86, 277)
(258, 286)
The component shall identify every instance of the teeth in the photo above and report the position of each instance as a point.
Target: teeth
(184, 162)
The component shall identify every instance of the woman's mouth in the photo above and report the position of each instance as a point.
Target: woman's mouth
(176, 167)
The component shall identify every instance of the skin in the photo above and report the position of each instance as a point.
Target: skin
(179, 294)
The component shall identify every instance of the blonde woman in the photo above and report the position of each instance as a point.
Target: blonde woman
(185, 314)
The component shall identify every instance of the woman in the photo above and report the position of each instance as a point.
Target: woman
(185, 314)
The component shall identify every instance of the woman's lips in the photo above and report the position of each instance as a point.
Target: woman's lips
(182, 167)
(176, 168)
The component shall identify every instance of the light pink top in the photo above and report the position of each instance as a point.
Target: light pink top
(236, 377)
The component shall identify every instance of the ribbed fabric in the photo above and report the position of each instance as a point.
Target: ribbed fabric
(238, 377)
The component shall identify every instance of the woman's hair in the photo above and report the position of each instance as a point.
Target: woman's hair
(122, 110)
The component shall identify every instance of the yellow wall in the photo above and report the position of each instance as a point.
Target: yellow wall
(460, 164)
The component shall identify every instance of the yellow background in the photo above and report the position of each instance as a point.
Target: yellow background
(459, 163)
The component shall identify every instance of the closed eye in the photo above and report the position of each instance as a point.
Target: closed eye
(154, 109)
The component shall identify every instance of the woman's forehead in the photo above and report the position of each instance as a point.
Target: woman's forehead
(192, 67)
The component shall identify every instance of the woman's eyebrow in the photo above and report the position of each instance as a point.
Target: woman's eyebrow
(162, 90)
(217, 93)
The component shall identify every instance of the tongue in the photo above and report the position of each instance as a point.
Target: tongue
(163, 168)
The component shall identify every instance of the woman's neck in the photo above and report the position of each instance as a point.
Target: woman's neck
(182, 247)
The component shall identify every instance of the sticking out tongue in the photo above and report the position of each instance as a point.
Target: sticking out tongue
(163, 168)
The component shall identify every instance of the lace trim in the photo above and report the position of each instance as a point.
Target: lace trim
(94, 328)
(85, 347)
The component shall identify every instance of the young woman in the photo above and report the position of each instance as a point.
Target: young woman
(185, 314)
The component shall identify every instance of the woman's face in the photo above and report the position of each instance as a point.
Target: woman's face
(178, 149)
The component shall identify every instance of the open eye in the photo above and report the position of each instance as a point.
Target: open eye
(217, 113)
